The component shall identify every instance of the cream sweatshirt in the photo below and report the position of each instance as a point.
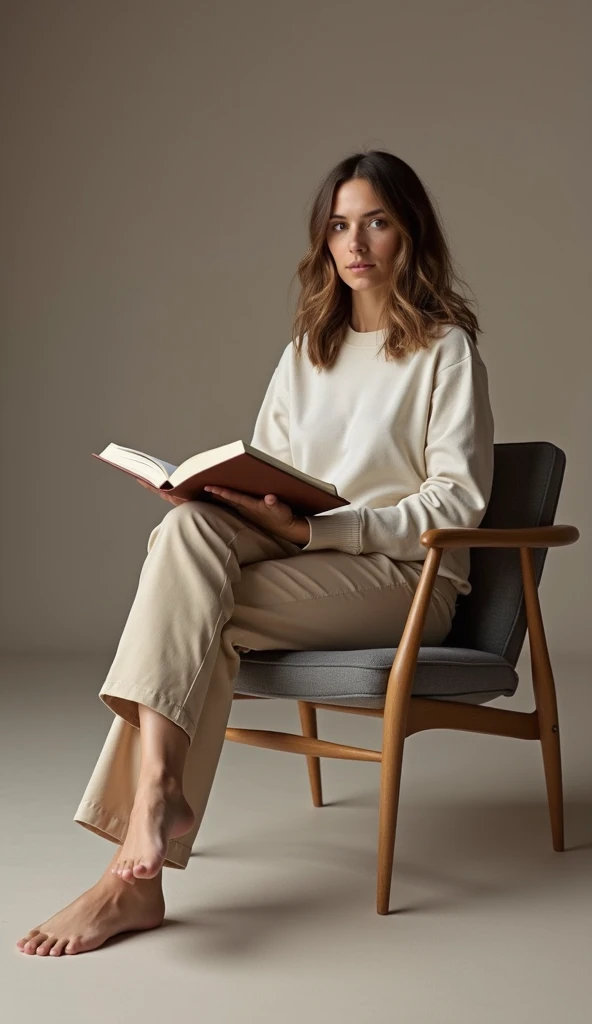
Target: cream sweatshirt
(409, 443)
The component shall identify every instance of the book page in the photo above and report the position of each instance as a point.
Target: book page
(167, 466)
(156, 471)
(204, 460)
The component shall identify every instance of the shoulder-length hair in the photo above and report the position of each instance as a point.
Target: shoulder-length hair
(421, 297)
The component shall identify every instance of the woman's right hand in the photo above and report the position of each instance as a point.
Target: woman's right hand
(171, 498)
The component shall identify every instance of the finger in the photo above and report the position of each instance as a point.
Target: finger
(222, 492)
(233, 497)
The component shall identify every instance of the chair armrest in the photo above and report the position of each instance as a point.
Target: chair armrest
(530, 537)
(400, 681)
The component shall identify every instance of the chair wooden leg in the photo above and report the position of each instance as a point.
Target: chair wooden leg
(553, 779)
(308, 719)
(390, 786)
(396, 709)
(546, 704)
(545, 699)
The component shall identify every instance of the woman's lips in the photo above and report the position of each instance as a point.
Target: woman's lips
(363, 266)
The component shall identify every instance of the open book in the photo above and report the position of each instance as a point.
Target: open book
(237, 466)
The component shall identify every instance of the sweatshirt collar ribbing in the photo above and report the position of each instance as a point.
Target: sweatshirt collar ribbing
(364, 339)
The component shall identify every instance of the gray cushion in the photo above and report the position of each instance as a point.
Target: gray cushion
(359, 678)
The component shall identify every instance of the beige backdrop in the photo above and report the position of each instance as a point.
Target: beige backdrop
(159, 160)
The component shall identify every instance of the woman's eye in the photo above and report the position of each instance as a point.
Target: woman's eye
(377, 220)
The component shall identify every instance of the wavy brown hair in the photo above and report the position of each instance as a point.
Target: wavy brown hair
(421, 297)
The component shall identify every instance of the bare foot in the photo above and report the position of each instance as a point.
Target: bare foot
(105, 910)
(160, 813)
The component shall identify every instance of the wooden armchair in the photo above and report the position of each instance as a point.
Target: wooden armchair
(415, 688)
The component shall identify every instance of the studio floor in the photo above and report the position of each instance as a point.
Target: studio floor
(274, 919)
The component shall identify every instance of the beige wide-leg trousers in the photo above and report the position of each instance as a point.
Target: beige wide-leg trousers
(213, 582)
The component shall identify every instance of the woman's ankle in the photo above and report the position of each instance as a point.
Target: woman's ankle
(162, 777)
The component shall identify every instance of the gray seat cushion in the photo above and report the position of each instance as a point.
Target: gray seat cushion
(359, 678)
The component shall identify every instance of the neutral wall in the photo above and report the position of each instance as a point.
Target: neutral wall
(159, 160)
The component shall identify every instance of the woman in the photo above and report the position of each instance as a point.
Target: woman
(382, 392)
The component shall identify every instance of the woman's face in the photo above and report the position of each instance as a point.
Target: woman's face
(360, 231)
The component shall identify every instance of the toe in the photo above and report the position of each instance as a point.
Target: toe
(127, 873)
(147, 868)
(46, 945)
(59, 947)
(32, 943)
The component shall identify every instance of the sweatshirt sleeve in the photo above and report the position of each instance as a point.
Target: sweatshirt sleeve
(459, 468)
(271, 431)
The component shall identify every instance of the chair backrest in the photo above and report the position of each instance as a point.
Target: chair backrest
(527, 481)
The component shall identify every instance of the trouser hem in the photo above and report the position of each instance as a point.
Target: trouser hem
(123, 698)
(99, 820)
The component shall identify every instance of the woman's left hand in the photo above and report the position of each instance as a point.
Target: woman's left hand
(173, 499)
(269, 512)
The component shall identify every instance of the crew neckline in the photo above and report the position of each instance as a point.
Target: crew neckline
(364, 339)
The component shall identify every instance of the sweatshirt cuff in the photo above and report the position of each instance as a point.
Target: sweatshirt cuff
(340, 531)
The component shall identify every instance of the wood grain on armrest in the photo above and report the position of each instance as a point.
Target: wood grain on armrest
(530, 537)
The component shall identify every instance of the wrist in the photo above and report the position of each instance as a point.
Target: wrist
(300, 531)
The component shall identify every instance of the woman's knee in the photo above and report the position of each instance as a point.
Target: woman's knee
(196, 513)
(177, 514)
(187, 509)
